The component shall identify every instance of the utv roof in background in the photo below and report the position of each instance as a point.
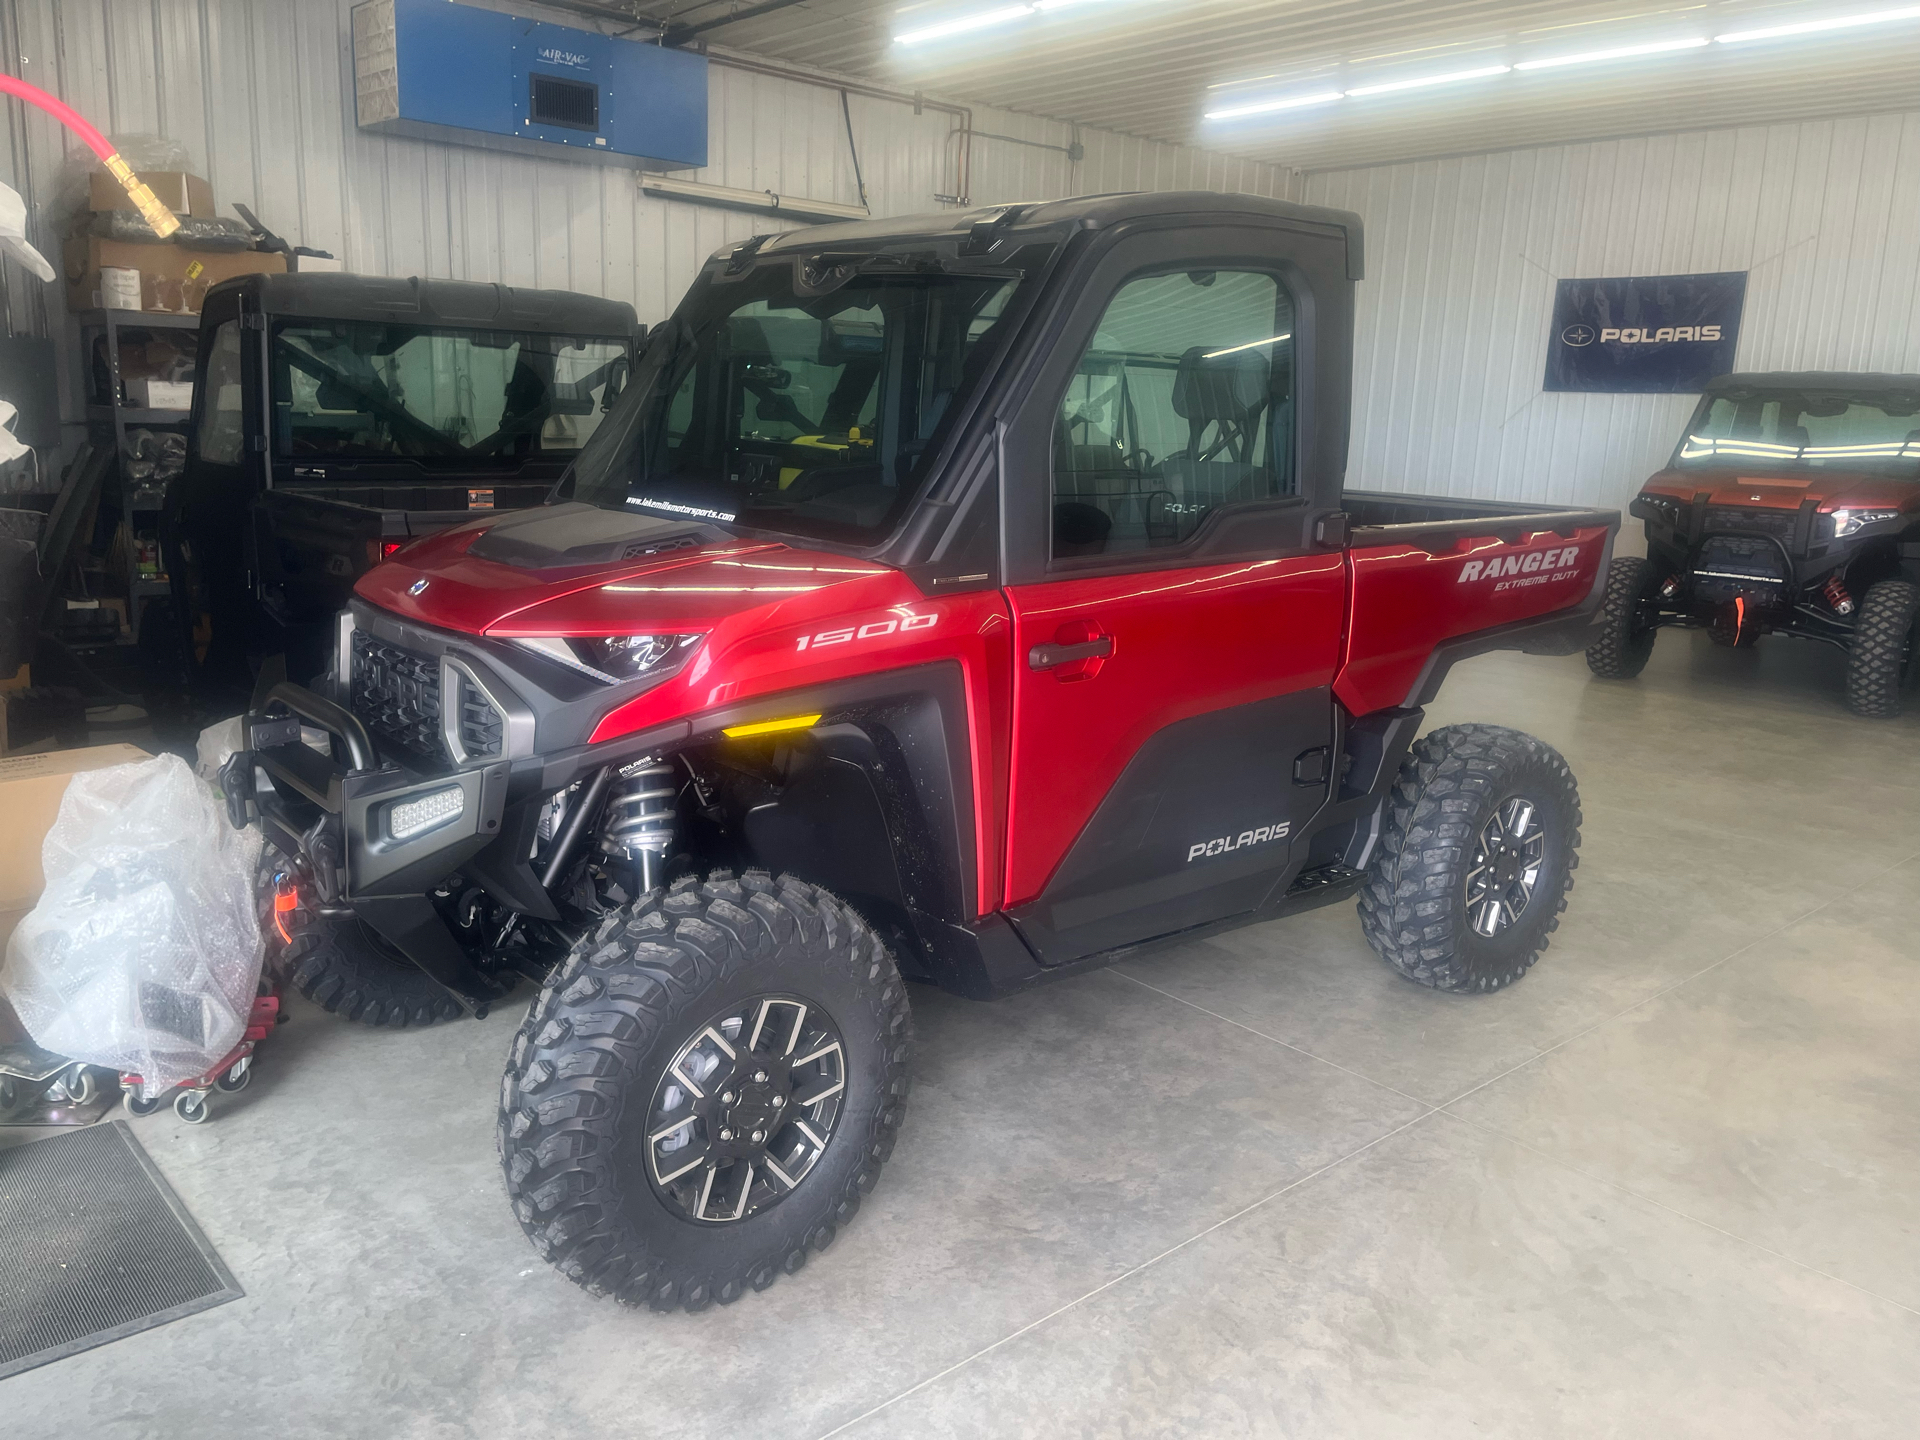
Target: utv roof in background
(457, 303)
(1091, 212)
(1812, 380)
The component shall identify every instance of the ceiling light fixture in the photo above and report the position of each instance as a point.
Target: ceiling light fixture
(1292, 102)
(1808, 27)
(965, 24)
(1425, 80)
(1624, 52)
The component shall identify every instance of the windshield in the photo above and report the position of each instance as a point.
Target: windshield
(806, 397)
(350, 390)
(1805, 430)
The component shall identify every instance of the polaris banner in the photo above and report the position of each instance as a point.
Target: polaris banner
(1645, 334)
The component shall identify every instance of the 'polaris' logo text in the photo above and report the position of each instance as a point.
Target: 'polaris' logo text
(1226, 843)
(1535, 567)
(1665, 333)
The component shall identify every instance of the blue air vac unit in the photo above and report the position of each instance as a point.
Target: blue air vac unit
(434, 70)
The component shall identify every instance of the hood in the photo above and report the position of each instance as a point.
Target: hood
(1786, 489)
(578, 570)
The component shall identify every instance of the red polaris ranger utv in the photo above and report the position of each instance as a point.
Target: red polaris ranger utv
(968, 599)
(1790, 507)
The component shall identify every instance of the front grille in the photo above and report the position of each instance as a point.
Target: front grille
(1733, 565)
(1739, 521)
(396, 694)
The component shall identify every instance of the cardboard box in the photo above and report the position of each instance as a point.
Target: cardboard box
(172, 277)
(30, 791)
(180, 192)
(149, 394)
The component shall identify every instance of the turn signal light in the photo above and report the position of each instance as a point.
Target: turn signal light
(771, 727)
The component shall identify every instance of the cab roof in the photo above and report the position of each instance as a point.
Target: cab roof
(1812, 380)
(1087, 212)
(456, 303)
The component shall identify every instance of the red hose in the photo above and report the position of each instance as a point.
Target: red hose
(163, 220)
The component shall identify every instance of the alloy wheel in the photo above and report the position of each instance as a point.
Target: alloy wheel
(746, 1109)
(1507, 860)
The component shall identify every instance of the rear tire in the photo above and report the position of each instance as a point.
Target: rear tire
(600, 1184)
(1455, 854)
(1882, 658)
(1625, 643)
(348, 970)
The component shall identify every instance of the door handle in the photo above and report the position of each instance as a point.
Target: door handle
(1046, 657)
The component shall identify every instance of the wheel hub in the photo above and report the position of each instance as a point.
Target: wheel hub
(1507, 860)
(746, 1108)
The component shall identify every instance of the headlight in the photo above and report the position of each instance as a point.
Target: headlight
(415, 817)
(1845, 522)
(1664, 507)
(613, 659)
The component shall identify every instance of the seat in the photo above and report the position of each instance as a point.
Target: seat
(1227, 395)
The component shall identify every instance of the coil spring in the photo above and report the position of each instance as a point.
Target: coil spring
(642, 817)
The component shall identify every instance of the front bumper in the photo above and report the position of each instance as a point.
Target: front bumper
(337, 821)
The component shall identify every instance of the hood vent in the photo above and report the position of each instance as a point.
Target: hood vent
(555, 537)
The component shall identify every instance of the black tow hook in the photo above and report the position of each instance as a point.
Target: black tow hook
(236, 785)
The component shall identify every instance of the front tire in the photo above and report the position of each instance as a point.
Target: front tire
(1476, 856)
(705, 1089)
(1882, 658)
(348, 969)
(1627, 628)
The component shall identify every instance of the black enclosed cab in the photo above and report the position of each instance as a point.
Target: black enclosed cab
(336, 417)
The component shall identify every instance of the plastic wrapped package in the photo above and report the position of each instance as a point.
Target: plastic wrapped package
(141, 151)
(143, 953)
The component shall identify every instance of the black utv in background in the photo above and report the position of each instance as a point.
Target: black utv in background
(337, 416)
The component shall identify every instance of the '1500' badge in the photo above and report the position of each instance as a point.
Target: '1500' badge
(873, 630)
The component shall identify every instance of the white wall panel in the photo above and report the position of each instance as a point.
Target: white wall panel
(260, 93)
(1462, 256)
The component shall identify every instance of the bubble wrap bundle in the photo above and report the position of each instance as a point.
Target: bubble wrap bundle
(144, 952)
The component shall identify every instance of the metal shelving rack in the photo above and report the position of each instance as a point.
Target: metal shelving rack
(114, 416)
(107, 424)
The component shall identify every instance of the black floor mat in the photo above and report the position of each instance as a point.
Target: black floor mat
(94, 1245)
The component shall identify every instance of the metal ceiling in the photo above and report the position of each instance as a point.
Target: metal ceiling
(1154, 67)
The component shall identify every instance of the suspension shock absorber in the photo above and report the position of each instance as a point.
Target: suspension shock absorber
(642, 819)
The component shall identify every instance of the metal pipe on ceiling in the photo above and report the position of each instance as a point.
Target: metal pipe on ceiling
(681, 34)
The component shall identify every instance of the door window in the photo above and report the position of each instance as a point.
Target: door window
(1183, 402)
(220, 435)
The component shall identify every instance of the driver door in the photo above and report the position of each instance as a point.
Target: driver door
(1176, 631)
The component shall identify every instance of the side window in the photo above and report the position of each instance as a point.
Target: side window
(1182, 402)
(220, 437)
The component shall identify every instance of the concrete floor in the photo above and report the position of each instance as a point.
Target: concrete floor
(1252, 1186)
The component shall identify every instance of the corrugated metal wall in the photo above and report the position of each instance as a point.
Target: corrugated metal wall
(1462, 256)
(260, 93)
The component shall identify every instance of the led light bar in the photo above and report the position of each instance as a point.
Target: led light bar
(1624, 52)
(737, 199)
(1809, 27)
(416, 817)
